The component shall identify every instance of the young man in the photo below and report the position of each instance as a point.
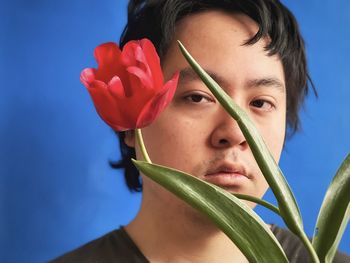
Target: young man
(254, 50)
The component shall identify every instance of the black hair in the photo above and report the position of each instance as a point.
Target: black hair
(156, 20)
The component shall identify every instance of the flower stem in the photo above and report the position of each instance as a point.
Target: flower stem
(142, 145)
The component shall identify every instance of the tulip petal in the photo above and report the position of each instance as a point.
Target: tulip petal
(133, 56)
(108, 57)
(115, 87)
(159, 102)
(153, 61)
(144, 78)
(128, 55)
(106, 105)
(87, 76)
(171, 86)
(107, 53)
(98, 85)
(141, 60)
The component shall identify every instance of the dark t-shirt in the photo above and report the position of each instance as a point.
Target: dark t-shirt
(117, 246)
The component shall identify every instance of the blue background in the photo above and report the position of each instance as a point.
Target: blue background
(56, 188)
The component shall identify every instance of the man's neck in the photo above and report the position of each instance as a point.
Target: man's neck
(185, 237)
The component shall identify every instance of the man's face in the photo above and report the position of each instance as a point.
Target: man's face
(195, 134)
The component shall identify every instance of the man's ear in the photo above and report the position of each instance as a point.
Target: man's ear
(129, 138)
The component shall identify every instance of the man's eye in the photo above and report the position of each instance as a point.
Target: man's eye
(197, 98)
(262, 104)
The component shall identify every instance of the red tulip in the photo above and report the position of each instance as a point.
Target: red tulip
(127, 87)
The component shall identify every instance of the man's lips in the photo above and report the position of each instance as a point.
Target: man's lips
(226, 179)
(227, 175)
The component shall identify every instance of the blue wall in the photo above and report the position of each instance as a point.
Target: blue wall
(56, 188)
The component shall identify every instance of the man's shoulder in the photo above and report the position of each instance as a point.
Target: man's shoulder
(115, 246)
(295, 249)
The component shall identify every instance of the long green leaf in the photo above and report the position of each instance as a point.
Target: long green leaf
(287, 204)
(258, 201)
(334, 214)
(238, 221)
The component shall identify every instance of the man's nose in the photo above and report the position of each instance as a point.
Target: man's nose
(226, 132)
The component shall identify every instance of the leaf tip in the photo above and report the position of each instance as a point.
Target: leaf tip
(134, 161)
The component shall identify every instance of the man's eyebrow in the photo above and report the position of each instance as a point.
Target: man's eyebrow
(188, 74)
(267, 82)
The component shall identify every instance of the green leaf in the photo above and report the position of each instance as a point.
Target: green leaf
(258, 201)
(334, 214)
(238, 221)
(287, 204)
